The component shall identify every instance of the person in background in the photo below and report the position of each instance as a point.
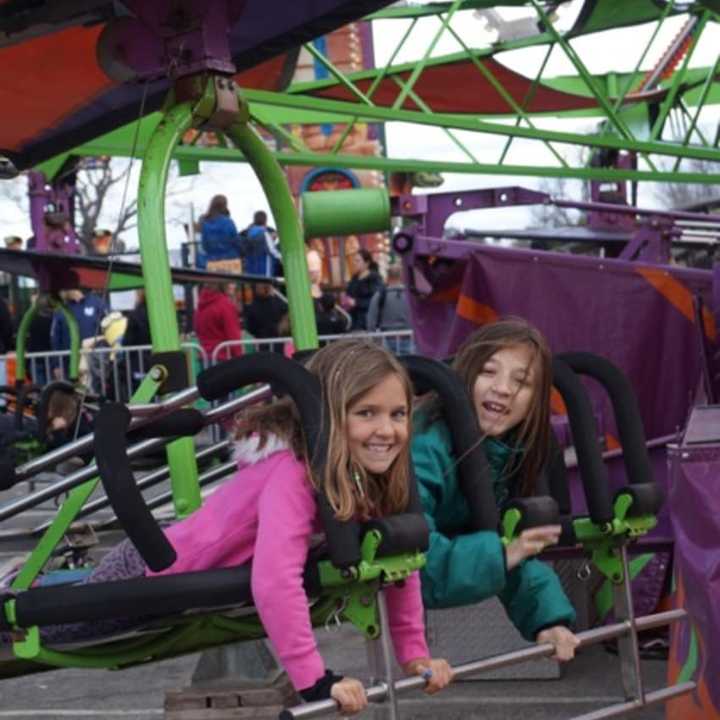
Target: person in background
(13, 242)
(314, 264)
(38, 340)
(364, 283)
(137, 334)
(388, 312)
(101, 242)
(216, 320)
(218, 234)
(88, 309)
(259, 247)
(7, 330)
(265, 316)
(330, 319)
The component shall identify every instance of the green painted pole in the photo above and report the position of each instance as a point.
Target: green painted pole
(274, 183)
(158, 283)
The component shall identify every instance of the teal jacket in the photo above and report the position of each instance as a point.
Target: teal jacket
(467, 567)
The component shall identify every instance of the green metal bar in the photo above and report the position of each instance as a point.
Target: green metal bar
(293, 141)
(583, 72)
(21, 342)
(406, 165)
(337, 74)
(375, 83)
(504, 94)
(158, 281)
(52, 536)
(277, 191)
(700, 104)
(72, 324)
(527, 100)
(425, 108)
(474, 124)
(69, 509)
(417, 71)
(678, 78)
(628, 85)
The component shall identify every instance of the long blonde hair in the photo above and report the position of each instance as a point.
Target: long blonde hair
(347, 370)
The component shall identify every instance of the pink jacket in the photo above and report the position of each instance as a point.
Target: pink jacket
(267, 513)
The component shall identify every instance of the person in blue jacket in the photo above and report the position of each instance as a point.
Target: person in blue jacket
(506, 368)
(219, 236)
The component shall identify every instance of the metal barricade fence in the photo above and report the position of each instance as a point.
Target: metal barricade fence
(112, 373)
(401, 342)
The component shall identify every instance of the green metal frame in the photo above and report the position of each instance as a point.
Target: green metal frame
(344, 597)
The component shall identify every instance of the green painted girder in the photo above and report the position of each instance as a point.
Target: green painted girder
(119, 142)
(596, 16)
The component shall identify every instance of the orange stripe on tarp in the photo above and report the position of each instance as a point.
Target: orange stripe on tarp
(557, 404)
(474, 311)
(678, 296)
(611, 442)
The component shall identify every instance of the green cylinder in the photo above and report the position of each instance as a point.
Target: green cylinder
(345, 212)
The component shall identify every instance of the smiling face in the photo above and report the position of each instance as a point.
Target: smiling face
(377, 425)
(504, 390)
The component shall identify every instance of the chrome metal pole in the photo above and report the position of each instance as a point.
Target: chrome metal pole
(149, 480)
(651, 698)
(628, 648)
(23, 472)
(387, 654)
(379, 692)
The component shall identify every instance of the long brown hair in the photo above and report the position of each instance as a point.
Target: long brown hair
(533, 433)
(347, 370)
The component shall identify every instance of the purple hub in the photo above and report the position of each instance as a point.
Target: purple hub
(171, 38)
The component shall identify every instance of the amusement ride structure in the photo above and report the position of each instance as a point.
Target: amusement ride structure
(151, 79)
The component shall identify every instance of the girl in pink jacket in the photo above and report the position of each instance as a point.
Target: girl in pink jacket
(267, 513)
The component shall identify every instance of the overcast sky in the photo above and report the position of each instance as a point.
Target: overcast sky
(191, 195)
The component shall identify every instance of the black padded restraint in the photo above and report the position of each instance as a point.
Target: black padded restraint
(289, 377)
(111, 426)
(625, 408)
(180, 423)
(585, 438)
(474, 477)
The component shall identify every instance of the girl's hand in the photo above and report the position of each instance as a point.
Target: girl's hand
(437, 673)
(349, 693)
(561, 639)
(531, 542)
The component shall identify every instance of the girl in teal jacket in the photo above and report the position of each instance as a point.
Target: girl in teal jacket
(506, 368)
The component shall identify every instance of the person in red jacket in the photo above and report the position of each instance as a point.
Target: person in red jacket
(216, 320)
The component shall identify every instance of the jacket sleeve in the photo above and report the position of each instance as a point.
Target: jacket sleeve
(406, 618)
(534, 599)
(372, 315)
(463, 569)
(233, 331)
(286, 512)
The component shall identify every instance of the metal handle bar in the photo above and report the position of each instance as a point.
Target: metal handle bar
(379, 692)
(89, 472)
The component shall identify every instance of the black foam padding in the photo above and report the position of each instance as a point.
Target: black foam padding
(474, 476)
(647, 498)
(626, 410)
(535, 511)
(180, 423)
(8, 463)
(343, 538)
(402, 533)
(555, 474)
(585, 439)
(175, 363)
(111, 425)
(567, 535)
(160, 596)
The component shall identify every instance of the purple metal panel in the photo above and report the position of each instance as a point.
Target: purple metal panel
(694, 502)
(580, 303)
